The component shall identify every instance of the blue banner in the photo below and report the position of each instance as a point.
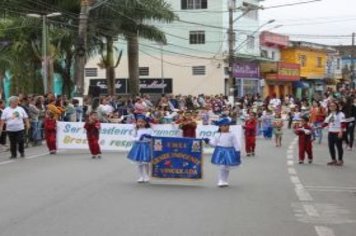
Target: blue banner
(177, 158)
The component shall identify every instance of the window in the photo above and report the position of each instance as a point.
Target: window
(302, 60)
(319, 62)
(194, 4)
(91, 72)
(144, 71)
(273, 55)
(253, 14)
(226, 70)
(250, 42)
(197, 37)
(198, 70)
(264, 53)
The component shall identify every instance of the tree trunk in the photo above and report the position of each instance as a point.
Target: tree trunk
(50, 74)
(2, 88)
(133, 59)
(80, 59)
(67, 85)
(110, 70)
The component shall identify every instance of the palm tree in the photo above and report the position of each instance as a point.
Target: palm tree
(134, 16)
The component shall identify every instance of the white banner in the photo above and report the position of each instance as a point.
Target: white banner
(118, 137)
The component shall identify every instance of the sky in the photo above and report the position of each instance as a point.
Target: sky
(328, 22)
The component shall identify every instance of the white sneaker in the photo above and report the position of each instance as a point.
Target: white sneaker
(225, 184)
(146, 179)
(141, 180)
(220, 183)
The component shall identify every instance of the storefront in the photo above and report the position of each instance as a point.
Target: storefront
(279, 78)
(247, 78)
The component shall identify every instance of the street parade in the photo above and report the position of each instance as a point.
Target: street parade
(166, 117)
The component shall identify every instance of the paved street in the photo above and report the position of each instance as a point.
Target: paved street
(71, 194)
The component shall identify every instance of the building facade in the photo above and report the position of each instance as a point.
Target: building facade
(278, 75)
(312, 59)
(194, 59)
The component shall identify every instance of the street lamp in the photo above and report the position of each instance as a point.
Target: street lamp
(44, 46)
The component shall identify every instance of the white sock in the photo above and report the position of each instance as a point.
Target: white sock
(221, 175)
(140, 171)
(226, 174)
(146, 170)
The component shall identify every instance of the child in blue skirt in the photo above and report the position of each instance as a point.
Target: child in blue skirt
(141, 152)
(227, 150)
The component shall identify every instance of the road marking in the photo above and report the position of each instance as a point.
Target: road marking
(290, 151)
(324, 231)
(331, 187)
(290, 162)
(27, 158)
(292, 171)
(311, 210)
(295, 180)
(36, 156)
(290, 157)
(303, 195)
(6, 162)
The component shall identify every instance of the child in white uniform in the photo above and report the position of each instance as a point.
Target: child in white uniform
(227, 151)
(141, 151)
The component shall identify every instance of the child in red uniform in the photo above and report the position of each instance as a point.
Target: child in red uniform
(92, 126)
(304, 131)
(250, 134)
(50, 130)
(188, 125)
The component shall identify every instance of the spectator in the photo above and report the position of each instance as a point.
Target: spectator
(17, 121)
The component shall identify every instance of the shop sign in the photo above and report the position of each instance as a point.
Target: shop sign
(154, 85)
(288, 71)
(246, 70)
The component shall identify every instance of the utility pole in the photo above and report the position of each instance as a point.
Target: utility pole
(231, 39)
(45, 55)
(353, 62)
(80, 58)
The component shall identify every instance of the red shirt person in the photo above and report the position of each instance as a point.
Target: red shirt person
(50, 130)
(92, 126)
(250, 134)
(188, 125)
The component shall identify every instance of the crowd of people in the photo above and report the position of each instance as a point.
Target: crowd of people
(30, 119)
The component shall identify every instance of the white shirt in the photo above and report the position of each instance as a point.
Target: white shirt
(225, 140)
(106, 109)
(141, 132)
(334, 121)
(275, 102)
(14, 118)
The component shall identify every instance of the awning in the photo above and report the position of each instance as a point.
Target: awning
(301, 84)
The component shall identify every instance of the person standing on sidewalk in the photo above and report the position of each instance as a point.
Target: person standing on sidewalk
(3, 134)
(17, 121)
(336, 124)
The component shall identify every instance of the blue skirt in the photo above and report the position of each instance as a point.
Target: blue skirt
(226, 156)
(140, 152)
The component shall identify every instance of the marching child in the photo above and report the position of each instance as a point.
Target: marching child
(92, 126)
(267, 126)
(227, 150)
(141, 151)
(278, 132)
(250, 134)
(50, 130)
(304, 131)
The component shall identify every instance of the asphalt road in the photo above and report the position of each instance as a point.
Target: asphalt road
(270, 194)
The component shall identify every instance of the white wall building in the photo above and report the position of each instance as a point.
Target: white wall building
(194, 59)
